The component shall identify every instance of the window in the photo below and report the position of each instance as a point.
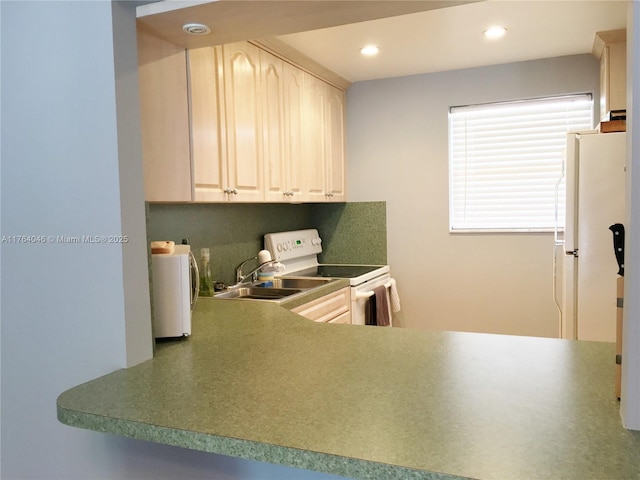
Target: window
(506, 160)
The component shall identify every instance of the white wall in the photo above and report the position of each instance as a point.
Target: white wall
(70, 313)
(135, 269)
(63, 305)
(398, 151)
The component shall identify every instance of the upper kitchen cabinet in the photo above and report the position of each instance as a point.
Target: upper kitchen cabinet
(237, 123)
(611, 48)
(226, 124)
(335, 145)
(164, 115)
(315, 130)
(283, 116)
(324, 125)
(209, 168)
(243, 119)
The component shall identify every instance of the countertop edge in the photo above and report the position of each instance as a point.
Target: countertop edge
(246, 449)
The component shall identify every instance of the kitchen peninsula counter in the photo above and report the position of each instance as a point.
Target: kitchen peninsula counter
(257, 381)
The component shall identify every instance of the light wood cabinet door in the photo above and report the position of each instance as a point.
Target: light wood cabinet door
(335, 145)
(164, 117)
(209, 165)
(293, 128)
(613, 78)
(273, 138)
(243, 122)
(314, 125)
(283, 111)
(345, 318)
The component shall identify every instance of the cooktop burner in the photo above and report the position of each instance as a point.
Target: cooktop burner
(336, 271)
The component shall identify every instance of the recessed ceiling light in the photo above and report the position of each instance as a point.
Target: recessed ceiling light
(196, 29)
(495, 32)
(369, 50)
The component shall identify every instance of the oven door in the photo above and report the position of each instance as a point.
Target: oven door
(361, 295)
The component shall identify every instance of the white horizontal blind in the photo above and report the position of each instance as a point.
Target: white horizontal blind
(505, 161)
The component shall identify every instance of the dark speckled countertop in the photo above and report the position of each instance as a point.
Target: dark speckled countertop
(257, 381)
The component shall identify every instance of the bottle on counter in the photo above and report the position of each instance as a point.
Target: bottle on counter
(206, 281)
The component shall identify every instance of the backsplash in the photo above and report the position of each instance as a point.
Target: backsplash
(351, 232)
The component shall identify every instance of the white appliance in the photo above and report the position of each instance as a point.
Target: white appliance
(298, 250)
(174, 290)
(595, 200)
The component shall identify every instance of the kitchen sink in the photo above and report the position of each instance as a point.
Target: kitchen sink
(273, 290)
(259, 293)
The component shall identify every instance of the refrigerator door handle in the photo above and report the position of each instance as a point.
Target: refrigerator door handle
(556, 227)
(572, 171)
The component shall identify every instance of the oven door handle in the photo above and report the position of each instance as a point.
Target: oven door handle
(362, 295)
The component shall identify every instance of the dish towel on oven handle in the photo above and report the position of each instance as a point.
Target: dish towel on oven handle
(393, 296)
(380, 304)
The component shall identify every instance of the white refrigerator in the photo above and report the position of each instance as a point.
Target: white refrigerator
(587, 265)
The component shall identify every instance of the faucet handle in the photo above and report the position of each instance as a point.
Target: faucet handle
(239, 276)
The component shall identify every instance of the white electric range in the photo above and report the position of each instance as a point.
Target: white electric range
(298, 250)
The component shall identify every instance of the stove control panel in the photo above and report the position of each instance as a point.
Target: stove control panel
(294, 244)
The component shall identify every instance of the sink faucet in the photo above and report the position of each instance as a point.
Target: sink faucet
(241, 278)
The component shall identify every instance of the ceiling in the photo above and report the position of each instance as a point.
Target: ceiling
(237, 20)
(414, 36)
(451, 38)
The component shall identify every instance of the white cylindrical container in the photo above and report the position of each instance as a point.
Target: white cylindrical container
(263, 257)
